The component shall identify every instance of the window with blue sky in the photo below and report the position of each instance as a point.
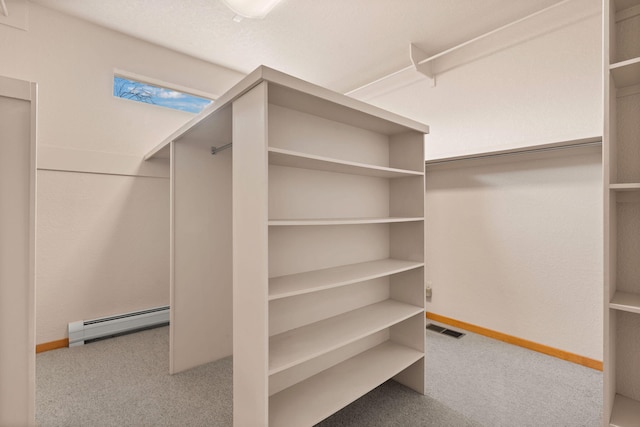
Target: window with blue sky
(156, 95)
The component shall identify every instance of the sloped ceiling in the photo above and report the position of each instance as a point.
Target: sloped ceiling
(339, 44)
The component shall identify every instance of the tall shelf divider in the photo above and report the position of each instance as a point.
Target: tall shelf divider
(621, 161)
(328, 246)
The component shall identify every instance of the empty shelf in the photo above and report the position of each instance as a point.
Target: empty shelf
(301, 344)
(342, 221)
(625, 413)
(626, 73)
(317, 280)
(626, 301)
(281, 157)
(625, 187)
(314, 399)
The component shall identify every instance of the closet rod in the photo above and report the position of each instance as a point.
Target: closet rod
(216, 150)
(586, 143)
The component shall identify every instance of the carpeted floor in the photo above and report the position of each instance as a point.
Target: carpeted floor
(472, 381)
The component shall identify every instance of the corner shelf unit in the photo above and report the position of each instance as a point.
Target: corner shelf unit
(621, 161)
(327, 212)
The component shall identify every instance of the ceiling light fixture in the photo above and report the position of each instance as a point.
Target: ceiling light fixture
(256, 9)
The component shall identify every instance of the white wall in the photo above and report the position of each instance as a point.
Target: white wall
(103, 217)
(515, 244)
(543, 90)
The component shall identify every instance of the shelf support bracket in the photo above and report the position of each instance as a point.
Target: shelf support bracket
(3, 8)
(417, 55)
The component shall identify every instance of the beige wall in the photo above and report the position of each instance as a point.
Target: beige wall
(545, 89)
(103, 242)
(515, 244)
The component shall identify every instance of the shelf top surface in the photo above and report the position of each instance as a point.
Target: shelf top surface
(282, 157)
(626, 73)
(300, 283)
(626, 301)
(315, 398)
(291, 92)
(625, 413)
(299, 345)
(627, 186)
(341, 221)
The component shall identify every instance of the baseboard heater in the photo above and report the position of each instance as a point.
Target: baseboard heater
(84, 331)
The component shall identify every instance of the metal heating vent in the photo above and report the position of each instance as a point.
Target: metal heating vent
(444, 331)
(84, 331)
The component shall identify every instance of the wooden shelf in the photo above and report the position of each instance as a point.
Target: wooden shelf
(626, 301)
(318, 280)
(625, 187)
(534, 148)
(281, 157)
(626, 73)
(342, 221)
(625, 413)
(314, 399)
(338, 162)
(301, 344)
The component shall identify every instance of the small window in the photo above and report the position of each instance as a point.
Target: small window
(134, 90)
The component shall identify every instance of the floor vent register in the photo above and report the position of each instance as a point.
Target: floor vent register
(444, 331)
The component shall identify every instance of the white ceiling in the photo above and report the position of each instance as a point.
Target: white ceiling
(339, 44)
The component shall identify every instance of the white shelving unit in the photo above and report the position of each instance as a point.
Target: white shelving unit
(325, 198)
(622, 212)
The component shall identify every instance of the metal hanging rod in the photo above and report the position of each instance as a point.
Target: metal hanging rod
(216, 150)
(585, 143)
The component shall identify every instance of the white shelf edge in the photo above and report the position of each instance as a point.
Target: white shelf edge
(339, 385)
(625, 187)
(625, 413)
(299, 345)
(626, 73)
(329, 278)
(297, 159)
(533, 148)
(341, 221)
(625, 301)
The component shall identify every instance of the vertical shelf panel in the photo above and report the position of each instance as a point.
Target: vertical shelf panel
(250, 266)
(621, 164)
(17, 251)
(201, 249)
